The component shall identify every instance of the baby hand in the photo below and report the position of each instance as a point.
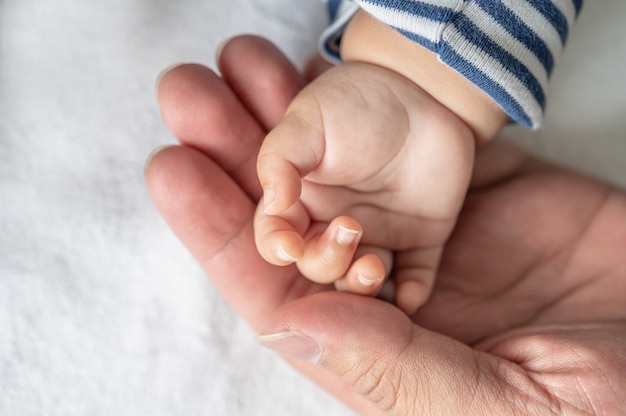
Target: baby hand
(363, 179)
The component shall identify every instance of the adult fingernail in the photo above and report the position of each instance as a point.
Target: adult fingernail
(161, 75)
(292, 344)
(220, 49)
(346, 236)
(152, 154)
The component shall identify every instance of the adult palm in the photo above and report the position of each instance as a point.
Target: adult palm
(526, 315)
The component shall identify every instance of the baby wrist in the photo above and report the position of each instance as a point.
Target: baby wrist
(369, 41)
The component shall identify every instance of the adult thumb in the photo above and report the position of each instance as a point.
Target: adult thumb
(401, 368)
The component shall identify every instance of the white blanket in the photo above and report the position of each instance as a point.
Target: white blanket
(102, 311)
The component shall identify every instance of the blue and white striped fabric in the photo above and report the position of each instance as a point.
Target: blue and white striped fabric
(508, 48)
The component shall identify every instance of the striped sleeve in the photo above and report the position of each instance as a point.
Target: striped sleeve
(508, 48)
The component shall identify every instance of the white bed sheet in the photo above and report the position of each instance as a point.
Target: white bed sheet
(102, 311)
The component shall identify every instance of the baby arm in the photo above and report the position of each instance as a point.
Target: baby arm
(372, 162)
(368, 40)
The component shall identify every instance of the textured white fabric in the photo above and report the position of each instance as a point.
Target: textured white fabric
(102, 311)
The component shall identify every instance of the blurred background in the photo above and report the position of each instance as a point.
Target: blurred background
(102, 311)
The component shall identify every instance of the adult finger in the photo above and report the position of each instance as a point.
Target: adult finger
(261, 76)
(212, 216)
(401, 368)
(202, 111)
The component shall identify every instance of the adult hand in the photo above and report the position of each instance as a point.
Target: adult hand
(527, 314)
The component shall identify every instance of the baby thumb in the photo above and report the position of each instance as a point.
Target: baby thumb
(380, 354)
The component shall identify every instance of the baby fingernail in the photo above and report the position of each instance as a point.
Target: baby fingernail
(365, 281)
(269, 199)
(282, 254)
(293, 344)
(346, 236)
